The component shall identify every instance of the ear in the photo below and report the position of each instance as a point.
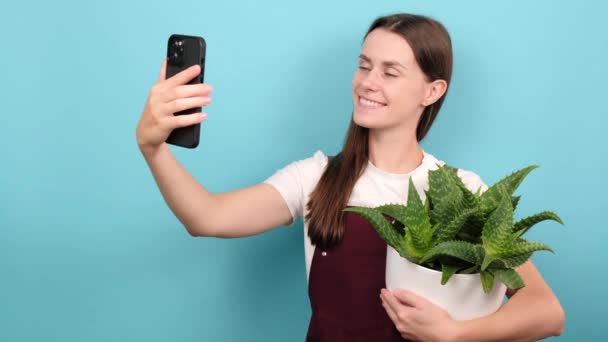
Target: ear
(434, 92)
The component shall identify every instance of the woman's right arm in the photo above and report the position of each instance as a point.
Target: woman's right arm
(243, 212)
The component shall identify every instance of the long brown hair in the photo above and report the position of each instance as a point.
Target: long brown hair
(432, 48)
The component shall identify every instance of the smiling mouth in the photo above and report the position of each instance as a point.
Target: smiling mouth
(367, 103)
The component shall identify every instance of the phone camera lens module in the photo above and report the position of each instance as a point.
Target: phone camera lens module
(176, 52)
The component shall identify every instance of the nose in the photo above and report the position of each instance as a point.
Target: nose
(370, 80)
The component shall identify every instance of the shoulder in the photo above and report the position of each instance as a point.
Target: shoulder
(297, 179)
(303, 171)
(310, 167)
(317, 162)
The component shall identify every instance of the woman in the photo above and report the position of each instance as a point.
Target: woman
(403, 76)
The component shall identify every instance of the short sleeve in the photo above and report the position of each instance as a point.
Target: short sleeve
(472, 181)
(297, 180)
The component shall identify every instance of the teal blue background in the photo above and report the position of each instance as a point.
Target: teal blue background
(90, 252)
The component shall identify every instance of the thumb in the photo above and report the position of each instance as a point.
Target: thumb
(163, 71)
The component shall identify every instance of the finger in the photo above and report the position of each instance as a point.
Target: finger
(409, 298)
(178, 105)
(163, 70)
(184, 76)
(188, 120)
(397, 321)
(391, 314)
(390, 300)
(189, 90)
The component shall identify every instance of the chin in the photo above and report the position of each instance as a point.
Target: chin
(366, 120)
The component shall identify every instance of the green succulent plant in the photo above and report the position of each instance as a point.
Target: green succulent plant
(457, 231)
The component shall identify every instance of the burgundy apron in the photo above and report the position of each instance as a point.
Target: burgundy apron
(344, 288)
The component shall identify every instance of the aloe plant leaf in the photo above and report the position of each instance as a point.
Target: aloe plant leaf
(513, 180)
(458, 249)
(511, 262)
(472, 269)
(409, 251)
(396, 211)
(510, 278)
(401, 248)
(447, 271)
(380, 224)
(412, 249)
(487, 280)
(515, 201)
(416, 220)
(496, 234)
(441, 185)
(470, 200)
(492, 197)
(487, 260)
(523, 225)
(445, 196)
(473, 228)
(524, 248)
(449, 231)
(446, 210)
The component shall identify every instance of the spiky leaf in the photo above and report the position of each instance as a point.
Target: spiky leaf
(472, 230)
(449, 231)
(445, 196)
(447, 272)
(487, 280)
(512, 181)
(396, 211)
(417, 222)
(380, 224)
(515, 201)
(523, 225)
(511, 262)
(447, 210)
(470, 270)
(492, 197)
(470, 200)
(496, 233)
(487, 261)
(408, 250)
(524, 248)
(441, 185)
(510, 278)
(458, 249)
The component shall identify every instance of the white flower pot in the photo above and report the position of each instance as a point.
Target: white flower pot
(462, 297)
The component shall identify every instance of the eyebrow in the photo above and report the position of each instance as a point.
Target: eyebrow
(391, 63)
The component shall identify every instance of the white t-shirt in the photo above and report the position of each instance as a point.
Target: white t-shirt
(375, 187)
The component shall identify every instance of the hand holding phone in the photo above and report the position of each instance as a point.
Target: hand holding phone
(183, 52)
(172, 112)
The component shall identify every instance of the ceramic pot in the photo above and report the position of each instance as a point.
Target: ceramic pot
(462, 296)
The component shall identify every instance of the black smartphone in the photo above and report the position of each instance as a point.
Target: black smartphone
(183, 52)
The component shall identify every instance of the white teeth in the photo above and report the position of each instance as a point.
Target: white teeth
(369, 103)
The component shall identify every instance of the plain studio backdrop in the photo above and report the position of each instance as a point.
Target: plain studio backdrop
(90, 252)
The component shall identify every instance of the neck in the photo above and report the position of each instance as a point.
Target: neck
(394, 152)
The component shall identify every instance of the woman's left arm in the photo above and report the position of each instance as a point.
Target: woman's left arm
(531, 313)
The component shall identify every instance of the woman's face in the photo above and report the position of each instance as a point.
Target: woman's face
(389, 88)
